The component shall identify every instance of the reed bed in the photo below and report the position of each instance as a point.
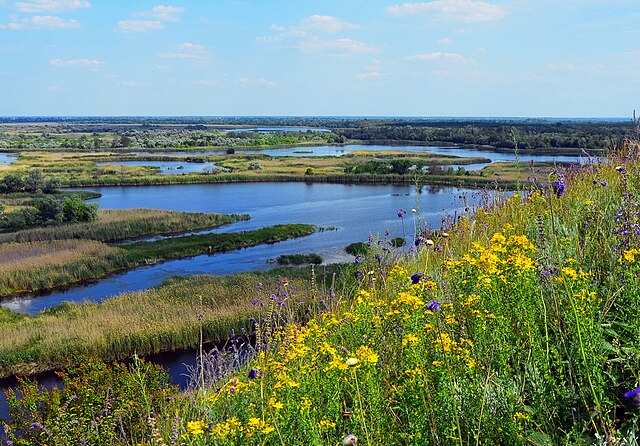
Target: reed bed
(145, 322)
(41, 265)
(116, 225)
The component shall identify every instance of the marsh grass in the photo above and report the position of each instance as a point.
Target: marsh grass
(116, 225)
(151, 321)
(41, 265)
(34, 266)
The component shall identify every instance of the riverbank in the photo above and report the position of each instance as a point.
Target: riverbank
(43, 265)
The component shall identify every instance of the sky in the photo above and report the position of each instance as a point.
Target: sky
(462, 58)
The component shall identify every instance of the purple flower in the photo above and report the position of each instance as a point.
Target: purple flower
(416, 278)
(559, 187)
(635, 393)
(401, 213)
(433, 306)
(604, 184)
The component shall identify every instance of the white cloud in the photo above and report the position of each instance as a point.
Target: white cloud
(267, 83)
(562, 66)
(189, 51)
(369, 75)
(306, 36)
(444, 41)
(262, 81)
(51, 5)
(324, 23)
(207, 83)
(442, 57)
(139, 26)
(341, 46)
(163, 13)
(94, 63)
(42, 22)
(452, 10)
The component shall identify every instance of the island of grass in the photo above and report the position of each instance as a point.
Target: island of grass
(42, 265)
(123, 224)
(299, 259)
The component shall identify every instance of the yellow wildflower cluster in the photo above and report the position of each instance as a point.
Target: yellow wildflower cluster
(507, 257)
(629, 256)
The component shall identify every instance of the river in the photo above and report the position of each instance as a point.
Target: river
(349, 212)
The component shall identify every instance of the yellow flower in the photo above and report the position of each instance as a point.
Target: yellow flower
(410, 339)
(275, 403)
(326, 424)
(196, 427)
(367, 355)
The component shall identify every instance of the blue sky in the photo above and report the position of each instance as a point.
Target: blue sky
(561, 58)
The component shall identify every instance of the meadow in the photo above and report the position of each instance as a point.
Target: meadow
(519, 325)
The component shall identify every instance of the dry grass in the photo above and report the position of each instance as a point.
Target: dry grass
(143, 322)
(42, 265)
(34, 255)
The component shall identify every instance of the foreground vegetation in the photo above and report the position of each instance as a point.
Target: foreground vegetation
(35, 266)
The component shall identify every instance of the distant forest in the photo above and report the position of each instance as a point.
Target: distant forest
(503, 134)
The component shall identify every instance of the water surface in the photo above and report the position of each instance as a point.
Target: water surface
(352, 211)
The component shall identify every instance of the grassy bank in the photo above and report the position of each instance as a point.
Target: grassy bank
(36, 266)
(517, 325)
(115, 225)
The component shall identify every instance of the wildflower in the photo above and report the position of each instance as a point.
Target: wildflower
(429, 242)
(444, 234)
(621, 170)
(367, 354)
(634, 396)
(275, 403)
(326, 424)
(416, 278)
(350, 440)
(559, 187)
(433, 306)
(351, 362)
(196, 427)
(401, 213)
(413, 211)
(254, 373)
(604, 183)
